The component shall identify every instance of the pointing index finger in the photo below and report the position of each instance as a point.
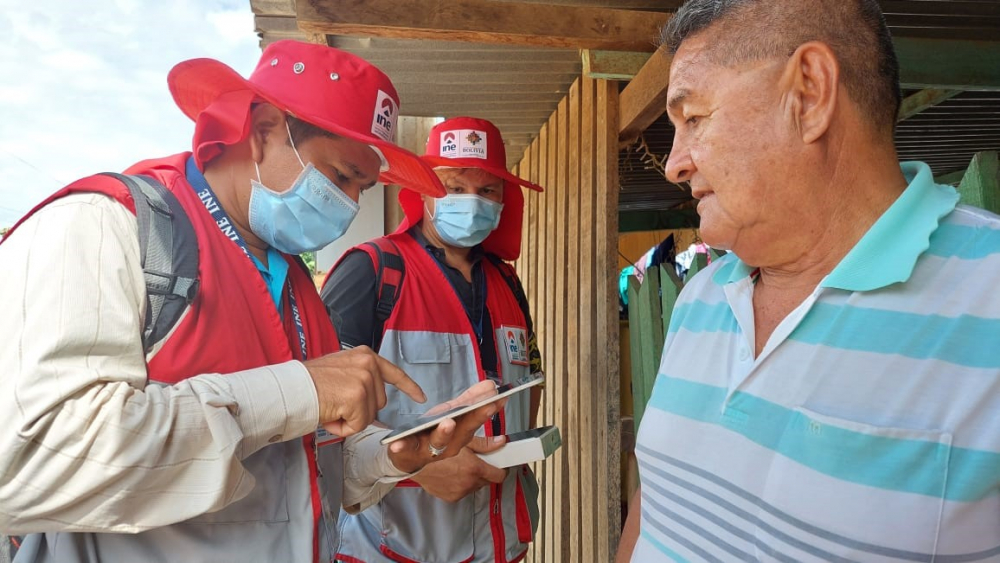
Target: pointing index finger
(395, 376)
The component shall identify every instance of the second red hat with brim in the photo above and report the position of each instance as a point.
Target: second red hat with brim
(331, 89)
(469, 142)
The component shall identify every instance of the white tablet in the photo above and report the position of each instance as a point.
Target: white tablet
(430, 421)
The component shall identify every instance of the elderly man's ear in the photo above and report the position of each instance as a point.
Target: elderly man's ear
(812, 86)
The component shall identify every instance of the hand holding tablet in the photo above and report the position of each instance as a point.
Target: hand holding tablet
(475, 397)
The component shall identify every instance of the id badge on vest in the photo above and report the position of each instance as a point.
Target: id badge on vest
(515, 344)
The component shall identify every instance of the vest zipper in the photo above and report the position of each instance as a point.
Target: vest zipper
(496, 525)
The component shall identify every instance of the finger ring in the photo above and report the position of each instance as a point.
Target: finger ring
(436, 451)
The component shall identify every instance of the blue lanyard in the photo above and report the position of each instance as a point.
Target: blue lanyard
(211, 203)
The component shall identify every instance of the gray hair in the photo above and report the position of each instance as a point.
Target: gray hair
(750, 30)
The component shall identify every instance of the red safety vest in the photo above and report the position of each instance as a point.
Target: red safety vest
(231, 326)
(430, 336)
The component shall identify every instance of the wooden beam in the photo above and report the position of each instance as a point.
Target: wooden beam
(612, 65)
(952, 178)
(635, 221)
(940, 64)
(484, 21)
(948, 64)
(944, 64)
(918, 102)
(317, 38)
(273, 7)
(981, 185)
(645, 98)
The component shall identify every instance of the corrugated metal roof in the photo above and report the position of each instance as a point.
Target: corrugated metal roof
(948, 134)
(519, 87)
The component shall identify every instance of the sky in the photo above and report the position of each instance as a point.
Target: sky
(84, 85)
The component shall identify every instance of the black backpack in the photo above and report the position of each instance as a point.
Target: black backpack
(390, 270)
(169, 250)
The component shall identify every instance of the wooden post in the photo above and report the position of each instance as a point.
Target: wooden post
(541, 324)
(534, 200)
(650, 338)
(589, 336)
(670, 289)
(606, 225)
(559, 239)
(981, 184)
(553, 548)
(571, 436)
(699, 263)
(636, 327)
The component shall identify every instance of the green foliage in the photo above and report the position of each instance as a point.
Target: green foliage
(310, 259)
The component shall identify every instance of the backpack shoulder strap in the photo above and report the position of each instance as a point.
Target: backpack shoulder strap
(513, 282)
(390, 270)
(168, 248)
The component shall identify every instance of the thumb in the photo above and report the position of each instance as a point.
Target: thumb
(485, 444)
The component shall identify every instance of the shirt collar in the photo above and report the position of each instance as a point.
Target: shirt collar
(888, 252)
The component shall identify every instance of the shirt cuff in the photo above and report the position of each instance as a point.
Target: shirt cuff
(369, 474)
(274, 404)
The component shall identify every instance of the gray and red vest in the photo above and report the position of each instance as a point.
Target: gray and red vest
(232, 325)
(431, 338)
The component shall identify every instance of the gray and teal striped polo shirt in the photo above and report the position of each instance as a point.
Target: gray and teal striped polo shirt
(868, 429)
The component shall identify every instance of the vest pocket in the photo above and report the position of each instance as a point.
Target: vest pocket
(419, 527)
(838, 489)
(443, 364)
(424, 347)
(267, 502)
(526, 503)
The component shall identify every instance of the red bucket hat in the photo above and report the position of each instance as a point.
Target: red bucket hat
(468, 142)
(326, 87)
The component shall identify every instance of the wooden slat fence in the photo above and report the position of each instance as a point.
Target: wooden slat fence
(569, 269)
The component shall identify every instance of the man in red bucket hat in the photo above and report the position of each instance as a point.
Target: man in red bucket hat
(221, 440)
(445, 307)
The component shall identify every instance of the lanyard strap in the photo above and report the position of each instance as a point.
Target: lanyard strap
(211, 203)
(297, 319)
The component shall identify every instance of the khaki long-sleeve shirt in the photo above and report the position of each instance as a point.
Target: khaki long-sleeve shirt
(85, 443)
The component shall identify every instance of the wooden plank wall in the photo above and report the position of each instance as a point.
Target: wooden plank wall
(569, 268)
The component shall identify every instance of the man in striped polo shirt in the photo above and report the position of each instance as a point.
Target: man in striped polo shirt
(830, 389)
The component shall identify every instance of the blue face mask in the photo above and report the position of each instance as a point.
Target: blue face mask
(465, 220)
(308, 216)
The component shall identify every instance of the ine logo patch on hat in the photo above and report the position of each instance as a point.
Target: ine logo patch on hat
(384, 120)
(463, 143)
